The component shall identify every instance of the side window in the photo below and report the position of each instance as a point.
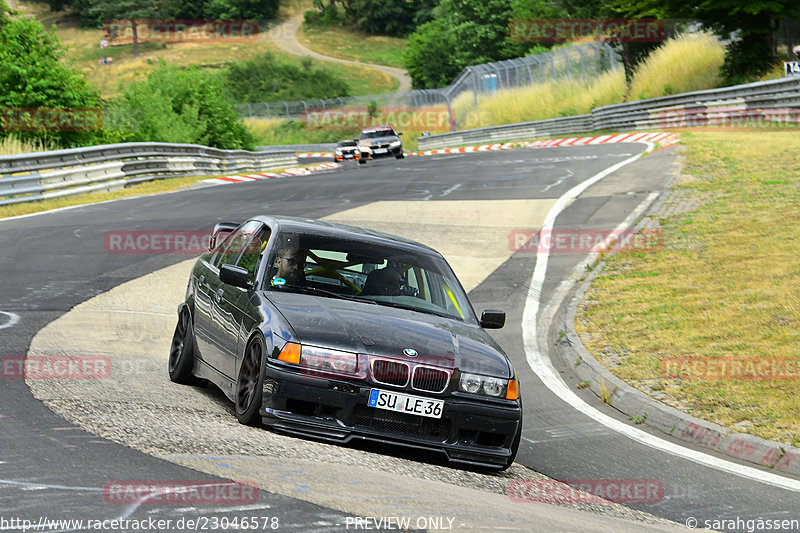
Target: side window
(243, 247)
(222, 245)
(252, 253)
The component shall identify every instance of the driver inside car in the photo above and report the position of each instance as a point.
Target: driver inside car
(291, 265)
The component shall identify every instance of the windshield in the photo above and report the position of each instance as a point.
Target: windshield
(376, 134)
(384, 275)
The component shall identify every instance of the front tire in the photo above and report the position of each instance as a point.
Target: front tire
(181, 353)
(249, 384)
(400, 155)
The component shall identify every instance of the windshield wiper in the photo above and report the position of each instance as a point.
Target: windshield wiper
(417, 309)
(321, 292)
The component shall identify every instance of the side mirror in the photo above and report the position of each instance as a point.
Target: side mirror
(491, 319)
(234, 275)
(399, 133)
(221, 230)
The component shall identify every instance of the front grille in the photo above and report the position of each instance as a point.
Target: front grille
(390, 372)
(430, 379)
(401, 423)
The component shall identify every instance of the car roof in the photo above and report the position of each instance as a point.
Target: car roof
(334, 229)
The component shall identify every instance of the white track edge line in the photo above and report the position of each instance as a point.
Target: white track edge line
(543, 368)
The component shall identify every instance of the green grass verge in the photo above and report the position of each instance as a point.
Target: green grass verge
(350, 43)
(724, 287)
(142, 189)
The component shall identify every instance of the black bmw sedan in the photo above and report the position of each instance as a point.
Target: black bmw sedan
(339, 333)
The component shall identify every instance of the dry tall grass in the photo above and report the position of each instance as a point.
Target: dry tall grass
(542, 101)
(690, 62)
(12, 144)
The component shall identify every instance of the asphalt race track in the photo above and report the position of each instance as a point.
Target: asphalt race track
(53, 262)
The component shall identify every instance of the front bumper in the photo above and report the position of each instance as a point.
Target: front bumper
(346, 156)
(473, 432)
(376, 152)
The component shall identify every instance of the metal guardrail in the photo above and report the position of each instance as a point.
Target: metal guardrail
(510, 132)
(665, 112)
(294, 148)
(42, 175)
(36, 176)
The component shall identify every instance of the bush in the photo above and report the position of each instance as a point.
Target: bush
(266, 78)
(179, 106)
(33, 77)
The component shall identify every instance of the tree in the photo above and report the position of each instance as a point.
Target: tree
(32, 78)
(132, 11)
(382, 17)
(748, 23)
(182, 106)
(462, 33)
(429, 55)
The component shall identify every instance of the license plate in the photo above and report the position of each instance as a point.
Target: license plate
(348, 156)
(404, 403)
(380, 150)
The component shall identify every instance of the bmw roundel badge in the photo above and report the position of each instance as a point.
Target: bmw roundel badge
(410, 352)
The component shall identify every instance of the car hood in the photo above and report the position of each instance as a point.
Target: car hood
(380, 330)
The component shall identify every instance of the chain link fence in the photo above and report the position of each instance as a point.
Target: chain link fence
(583, 62)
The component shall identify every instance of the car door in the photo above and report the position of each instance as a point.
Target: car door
(206, 284)
(209, 319)
(232, 305)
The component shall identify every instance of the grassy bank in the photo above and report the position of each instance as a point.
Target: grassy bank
(723, 289)
(84, 51)
(355, 45)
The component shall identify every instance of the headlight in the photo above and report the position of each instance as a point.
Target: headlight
(338, 151)
(328, 361)
(487, 386)
(470, 383)
(398, 142)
